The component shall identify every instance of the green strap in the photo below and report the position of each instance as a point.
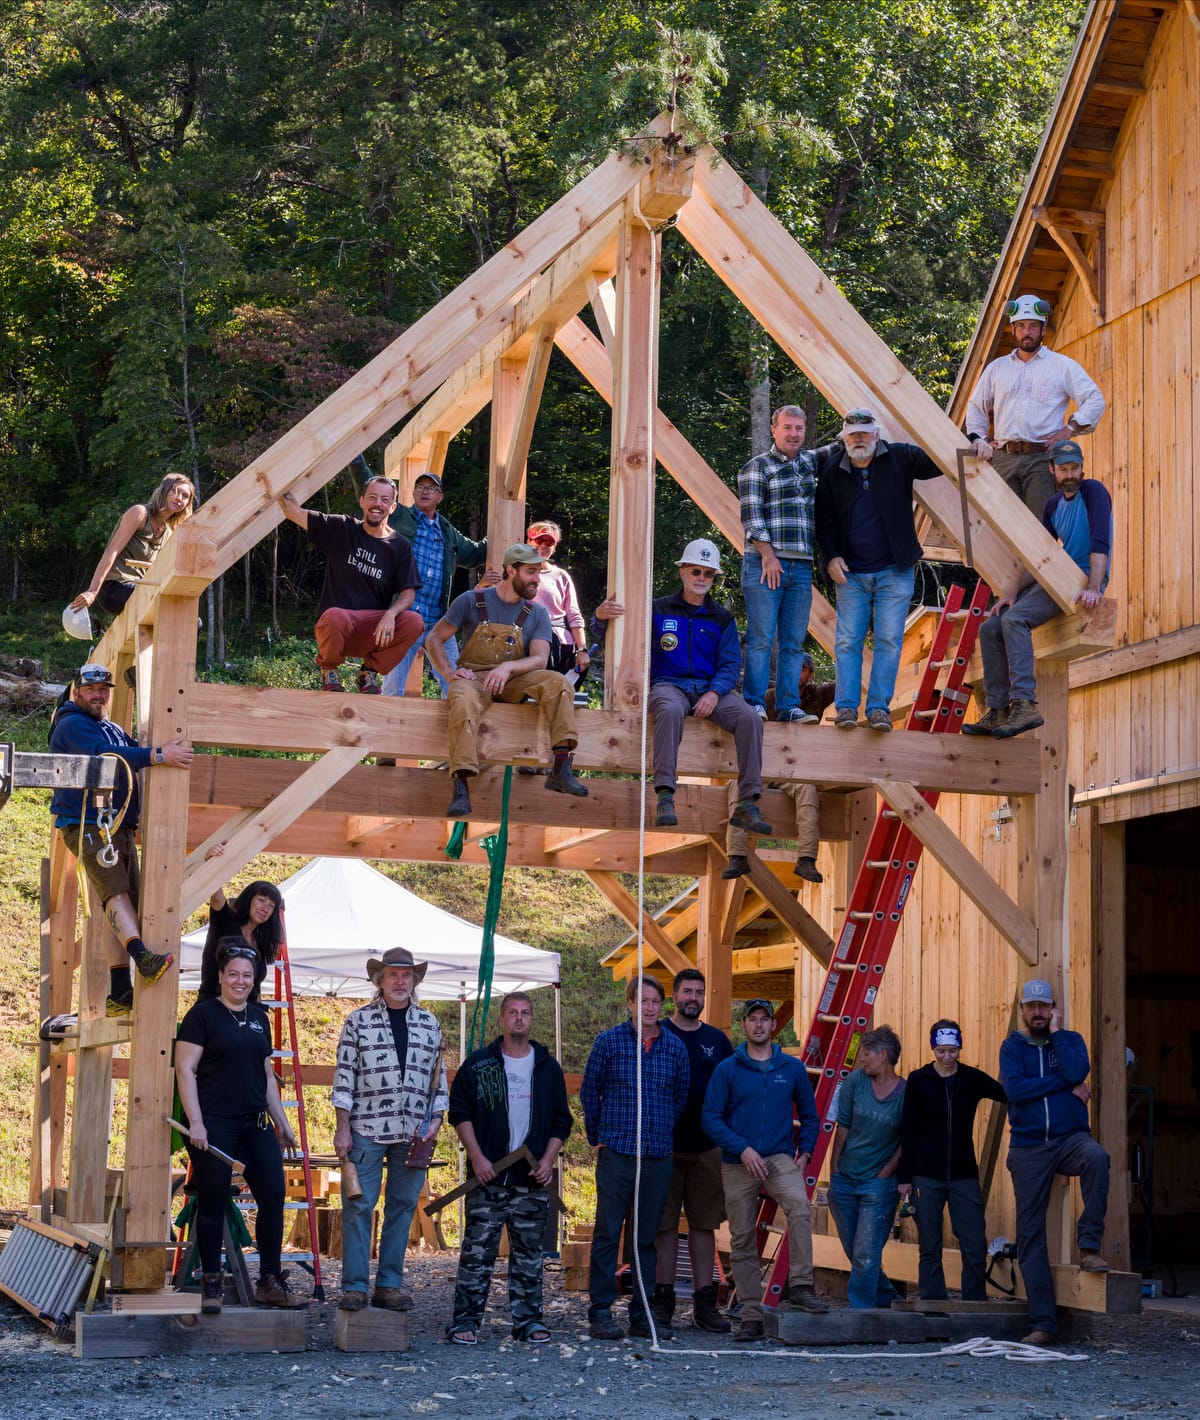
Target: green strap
(458, 836)
(495, 845)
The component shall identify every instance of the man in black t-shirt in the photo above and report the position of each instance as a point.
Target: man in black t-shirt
(696, 1187)
(370, 582)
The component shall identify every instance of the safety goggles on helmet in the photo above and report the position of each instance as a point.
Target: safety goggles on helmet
(93, 674)
(859, 416)
(1027, 308)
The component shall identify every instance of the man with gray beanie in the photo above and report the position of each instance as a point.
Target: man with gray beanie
(1043, 1069)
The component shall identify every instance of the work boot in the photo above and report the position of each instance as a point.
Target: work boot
(664, 812)
(747, 816)
(603, 1326)
(272, 1290)
(212, 1293)
(352, 1301)
(1022, 715)
(151, 966)
(367, 682)
(737, 867)
(639, 1326)
(391, 1299)
(1091, 1261)
(1040, 1338)
(118, 1005)
(807, 869)
(989, 722)
(330, 680)
(880, 720)
(662, 1304)
(846, 720)
(460, 804)
(804, 1297)
(749, 1331)
(563, 781)
(706, 1314)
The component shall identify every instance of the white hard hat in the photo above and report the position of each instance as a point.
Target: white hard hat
(1027, 308)
(77, 623)
(700, 552)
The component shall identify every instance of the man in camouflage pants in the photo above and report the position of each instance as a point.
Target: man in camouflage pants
(506, 1094)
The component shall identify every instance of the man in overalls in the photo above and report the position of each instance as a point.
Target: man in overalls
(498, 624)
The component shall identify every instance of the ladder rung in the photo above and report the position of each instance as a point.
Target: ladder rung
(956, 615)
(283, 1055)
(862, 916)
(882, 864)
(844, 966)
(888, 813)
(925, 714)
(813, 1069)
(825, 1016)
(272, 1005)
(941, 665)
(290, 1104)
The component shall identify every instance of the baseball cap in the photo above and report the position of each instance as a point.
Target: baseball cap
(1066, 452)
(1037, 990)
(806, 662)
(520, 554)
(759, 1003)
(93, 674)
(427, 477)
(860, 418)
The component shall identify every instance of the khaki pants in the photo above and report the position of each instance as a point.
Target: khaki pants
(785, 1184)
(1029, 476)
(469, 703)
(808, 814)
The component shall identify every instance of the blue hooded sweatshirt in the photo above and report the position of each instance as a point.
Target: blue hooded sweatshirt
(76, 732)
(750, 1104)
(1038, 1079)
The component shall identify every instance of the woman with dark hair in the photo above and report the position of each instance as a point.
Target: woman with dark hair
(556, 592)
(255, 915)
(863, 1191)
(136, 541)
(230, 1095)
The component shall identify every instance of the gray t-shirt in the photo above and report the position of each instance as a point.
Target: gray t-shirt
(462, 616)
(518, 1073)
(873, 1126)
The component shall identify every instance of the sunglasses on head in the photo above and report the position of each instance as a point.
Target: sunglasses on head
(859, 418)
(246, 952)
(93, 675)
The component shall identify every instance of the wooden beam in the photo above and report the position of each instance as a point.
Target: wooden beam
(265, 824)
(220, 835)
(713, 957)
(958, 861)
(1070, 219)
(506, 512)
(1068, 244)
(604, 309)
(1140, 656)
(1110, 1078)
(1129, 88)
(533, 382)
(789, 911)
(609, 886)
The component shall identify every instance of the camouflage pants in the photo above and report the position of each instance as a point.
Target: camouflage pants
(489, 1209)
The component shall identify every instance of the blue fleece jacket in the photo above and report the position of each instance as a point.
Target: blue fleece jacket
(750, 1104)
(75, 732)
(1038, 1079)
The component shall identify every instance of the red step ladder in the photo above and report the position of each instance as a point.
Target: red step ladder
(873, 915)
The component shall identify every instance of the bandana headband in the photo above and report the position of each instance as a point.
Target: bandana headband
(946, 1035)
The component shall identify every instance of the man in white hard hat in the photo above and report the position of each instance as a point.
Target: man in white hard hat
(1019, 409)
(695, 661)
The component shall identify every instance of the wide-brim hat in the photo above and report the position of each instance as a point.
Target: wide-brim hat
(396, 956)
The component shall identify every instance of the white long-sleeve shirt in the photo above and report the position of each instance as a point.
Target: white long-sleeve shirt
(1029, 399)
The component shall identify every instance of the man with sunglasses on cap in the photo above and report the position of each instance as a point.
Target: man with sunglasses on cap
(1018, 410)
(389, 1094)
(868, 536)
(81, 726)
(937, 1160)
(1044, 1071)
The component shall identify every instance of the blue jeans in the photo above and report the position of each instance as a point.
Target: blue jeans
(393, 682)
(863, 599)
(863, 1214)
(1006, 642)
(399, 1204)
(783, 611)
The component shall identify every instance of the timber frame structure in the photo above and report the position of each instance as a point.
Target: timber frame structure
(492, 339)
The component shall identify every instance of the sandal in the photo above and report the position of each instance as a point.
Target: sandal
(535, 1336)
(463, 1337)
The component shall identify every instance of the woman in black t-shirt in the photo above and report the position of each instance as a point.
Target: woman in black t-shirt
(230, 1095)
(256, 913)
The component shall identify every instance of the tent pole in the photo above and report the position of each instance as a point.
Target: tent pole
(462, 1155)
(562, 1162)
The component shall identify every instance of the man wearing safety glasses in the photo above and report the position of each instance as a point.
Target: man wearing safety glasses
(1018, 411)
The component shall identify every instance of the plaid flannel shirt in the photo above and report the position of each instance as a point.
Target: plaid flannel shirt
(609, 1091)
(384, 1105)
(776, 497)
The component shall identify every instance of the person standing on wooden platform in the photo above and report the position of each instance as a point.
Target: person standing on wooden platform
(1044, 1071)
(370, 583)
(505, 1095)
(938, 1164)
(1018, 410)
(749, 1109)
(389, 1094)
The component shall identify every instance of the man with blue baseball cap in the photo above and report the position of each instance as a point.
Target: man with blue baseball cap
(1044, 1069)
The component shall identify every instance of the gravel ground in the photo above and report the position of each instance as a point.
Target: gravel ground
(1144, 1366)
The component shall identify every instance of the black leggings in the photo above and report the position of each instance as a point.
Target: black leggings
(258, 1148)
(112, 596)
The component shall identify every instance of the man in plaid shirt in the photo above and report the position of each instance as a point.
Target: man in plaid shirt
(609, 1098)
(776, 491)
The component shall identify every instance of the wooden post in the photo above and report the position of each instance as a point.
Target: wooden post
(714, 957)
(91, 1110)
(506, 514)
(60, 900)
(1109, 1074)
(164, 838)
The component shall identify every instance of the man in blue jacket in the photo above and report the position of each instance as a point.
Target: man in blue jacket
(1043, 1069)
(81, 726)
(695, 661)
(748, 1113)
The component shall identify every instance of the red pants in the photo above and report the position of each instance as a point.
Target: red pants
(341, 633)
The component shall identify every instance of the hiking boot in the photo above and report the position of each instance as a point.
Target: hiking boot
(604, 1327)
(749, 1331)
(664, 812)
(460, 804)
(151, 966)
(662, 1305)
(367, 682)
(272, 1291)
(737, 867)
(1040, 1338)
(640, 1326)
(807, 869)
(880, 720)
(391, 1299)
(563, 781)
(118, 1005)
(846, 720)
(1091, 1261)
(1022, 715)
(212, 1293)
(352, 1301)
(989, 722)
(804, 1297)
(706, 1315)
(330, 680)
(747, 816)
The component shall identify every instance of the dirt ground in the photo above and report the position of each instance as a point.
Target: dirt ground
(1135, 1366)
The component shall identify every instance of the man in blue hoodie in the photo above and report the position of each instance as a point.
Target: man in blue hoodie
(1043, 1069)
(109, 855)
(748, 1112)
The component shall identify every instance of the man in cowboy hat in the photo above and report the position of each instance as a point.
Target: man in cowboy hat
(389, 1086)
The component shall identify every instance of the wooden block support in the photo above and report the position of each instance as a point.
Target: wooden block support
(103, 1335)
(371, 1329)
(843, 1327)
(150, 1303)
